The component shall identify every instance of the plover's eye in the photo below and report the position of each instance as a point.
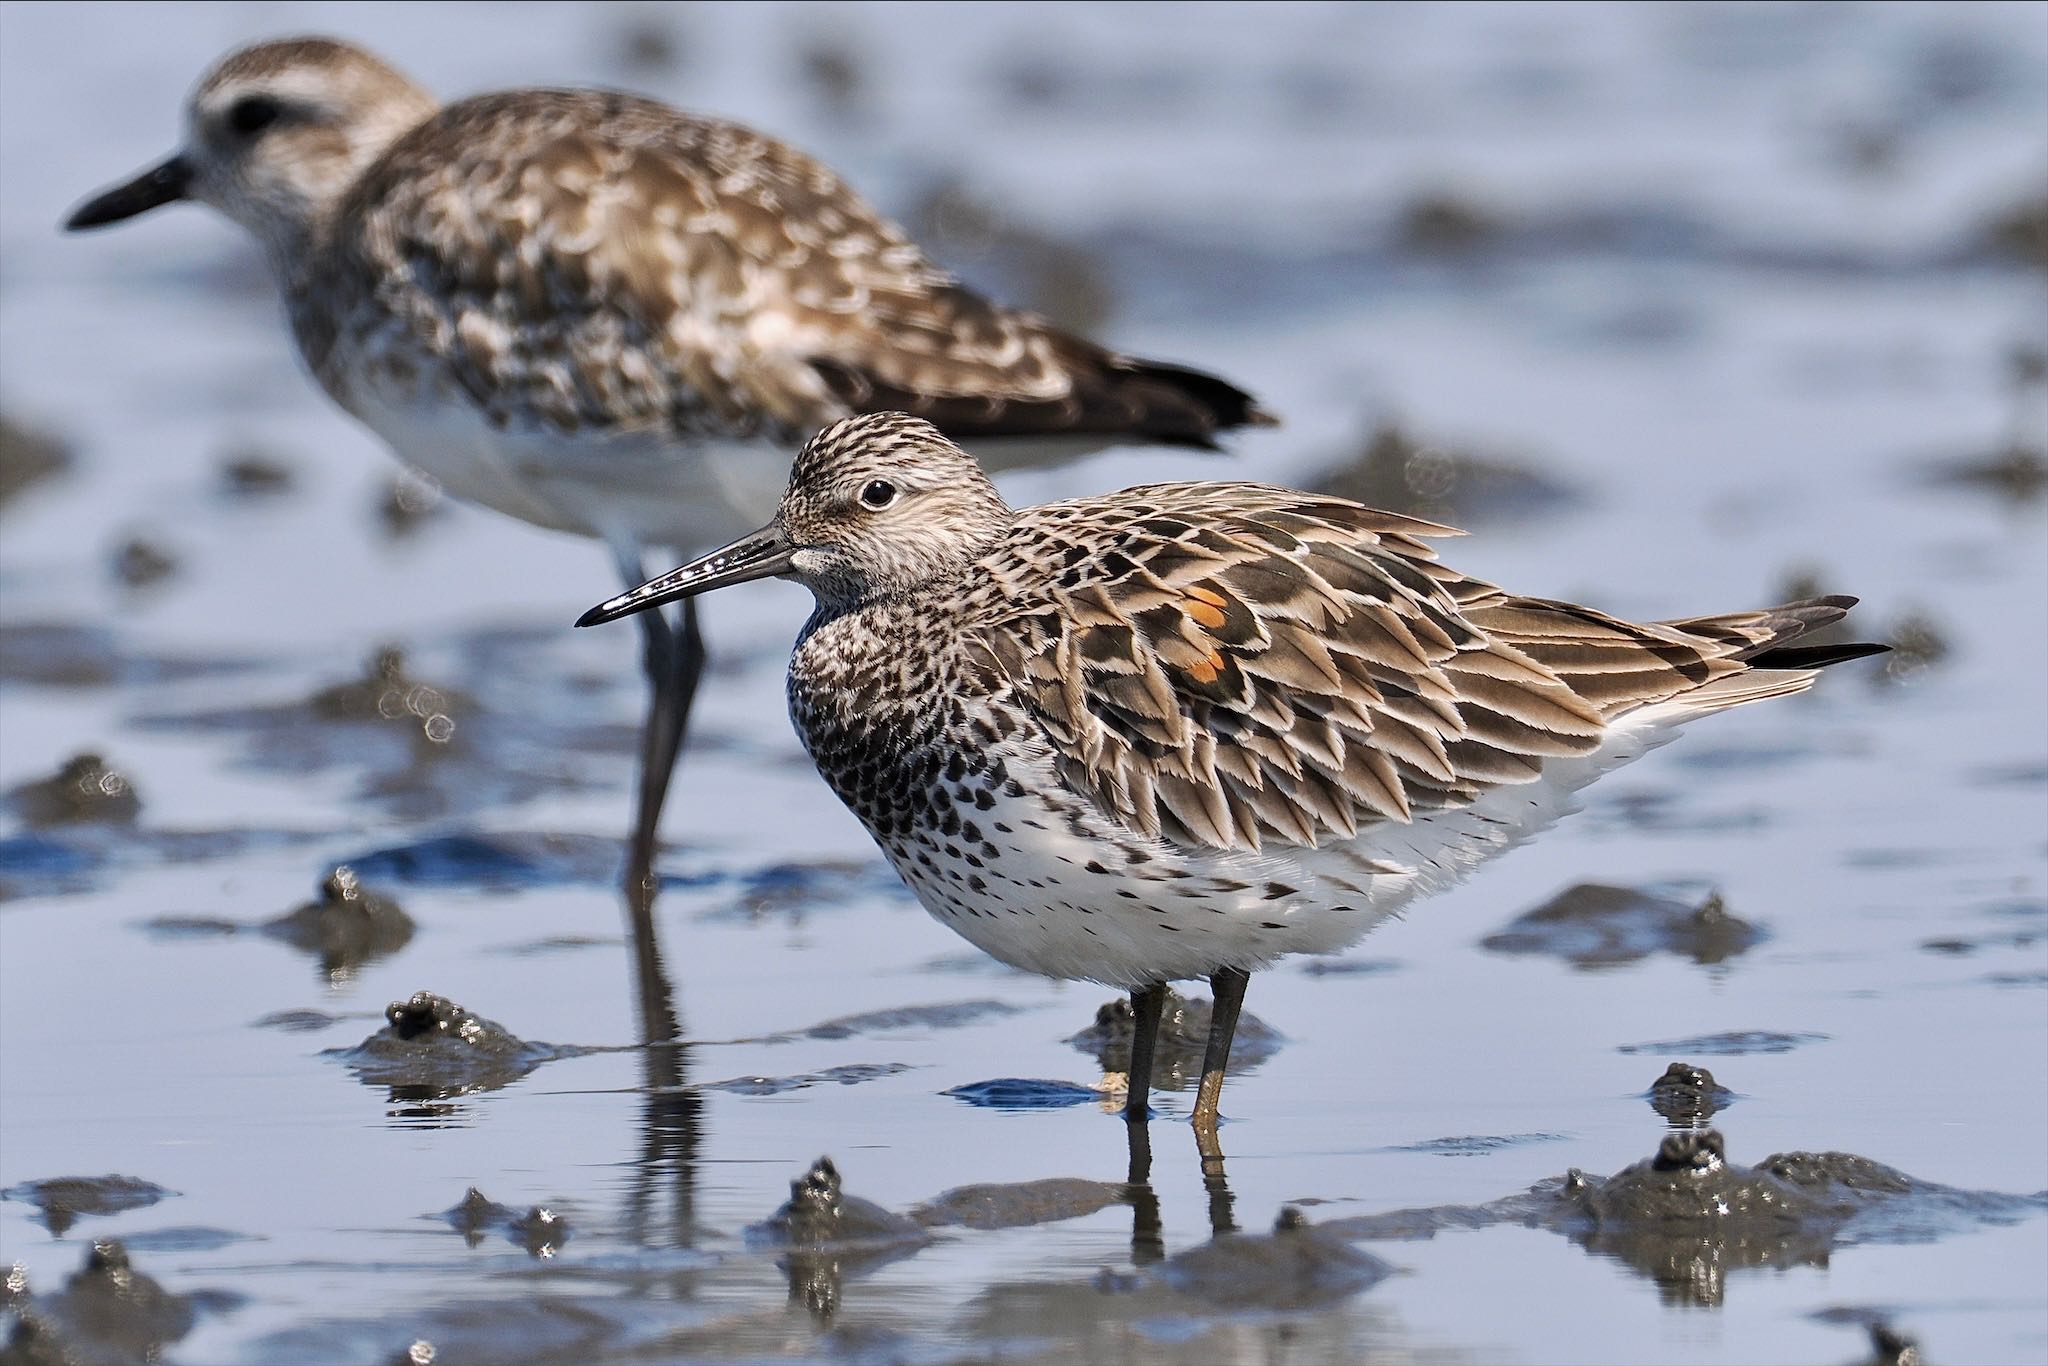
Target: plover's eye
(252, 114)
(878, 494)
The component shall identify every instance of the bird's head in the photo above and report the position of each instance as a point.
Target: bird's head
(876, 505)
(275, 134)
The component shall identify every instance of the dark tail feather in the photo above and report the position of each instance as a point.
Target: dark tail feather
(1813, 656)
(1765, 636)
(1783, 625)
(1795, 619)
(1111, 396)
(1187, 406)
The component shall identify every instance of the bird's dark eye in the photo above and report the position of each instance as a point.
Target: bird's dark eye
(252, 114)
(878, 494)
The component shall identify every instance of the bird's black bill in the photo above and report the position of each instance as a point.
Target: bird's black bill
(155, 187)
(761, 555)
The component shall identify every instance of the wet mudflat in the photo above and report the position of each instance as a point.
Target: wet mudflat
(319, 1035)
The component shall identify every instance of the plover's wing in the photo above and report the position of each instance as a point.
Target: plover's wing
(1225, 665)
(599, 261)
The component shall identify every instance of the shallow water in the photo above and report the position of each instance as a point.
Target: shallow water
(1682, 305)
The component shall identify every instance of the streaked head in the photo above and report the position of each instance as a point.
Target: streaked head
(876, 505)
(274, 136)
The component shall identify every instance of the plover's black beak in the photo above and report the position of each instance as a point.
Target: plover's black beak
(155, 187)
(761, 555)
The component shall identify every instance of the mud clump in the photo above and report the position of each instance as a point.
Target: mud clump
(1688, 1096)
(1018, 1204)
(792, 888)
(1690, 1180)
(1687, 1216)
(540, 1230)
(84, 790)
(139, 563)
(1733, 1043)
(1395, 470)
(829, 1235)
(833, 69)
(846, 1074)
(1593, 925)
(1055, 279)
(946, 1015)
(387, 693)
(347, 926)
(1448, 225)
(433, 1049)
(28, 458)
(649, 45)
(2018, 233)
(2017, 473)
(1183, 1036)
(819, 1213)
(252, 474)
(107, 1312)
(1917, 645)
(409, 502)
(64, 1200)
(1296, 1266)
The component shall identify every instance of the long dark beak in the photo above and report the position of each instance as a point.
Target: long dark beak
(761, 555)
(159, 185)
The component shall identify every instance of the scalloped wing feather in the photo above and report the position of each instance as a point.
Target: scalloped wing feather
(1227, 665)
(591, 260)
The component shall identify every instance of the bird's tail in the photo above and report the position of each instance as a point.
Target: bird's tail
(1764, 637)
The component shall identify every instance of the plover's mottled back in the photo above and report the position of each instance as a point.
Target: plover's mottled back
(1187, 729)
(598, 314)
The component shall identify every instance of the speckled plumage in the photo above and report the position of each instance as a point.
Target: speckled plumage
(1194, 727)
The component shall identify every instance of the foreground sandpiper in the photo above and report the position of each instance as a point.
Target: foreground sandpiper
(1186, 729)
(594, 313)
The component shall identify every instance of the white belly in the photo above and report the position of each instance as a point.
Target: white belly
(636, 488)
(1075, 906)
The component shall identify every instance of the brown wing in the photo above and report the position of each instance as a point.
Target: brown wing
(1224, 665)
(600, 260)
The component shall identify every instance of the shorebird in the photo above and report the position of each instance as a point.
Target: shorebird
(598, 314)
(1188, 729)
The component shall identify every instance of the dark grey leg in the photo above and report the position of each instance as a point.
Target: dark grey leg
(674, 660)
(1147, 1004)
(1228, 987)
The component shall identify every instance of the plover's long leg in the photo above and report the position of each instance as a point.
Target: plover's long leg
(674, 660)
(668, 723)
(1147, 1004)
(1228, 987)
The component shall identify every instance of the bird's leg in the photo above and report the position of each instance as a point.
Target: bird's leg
(1228, 987)
(685, 670)
(659, 658)
(674, 660)
(1147, 1004)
